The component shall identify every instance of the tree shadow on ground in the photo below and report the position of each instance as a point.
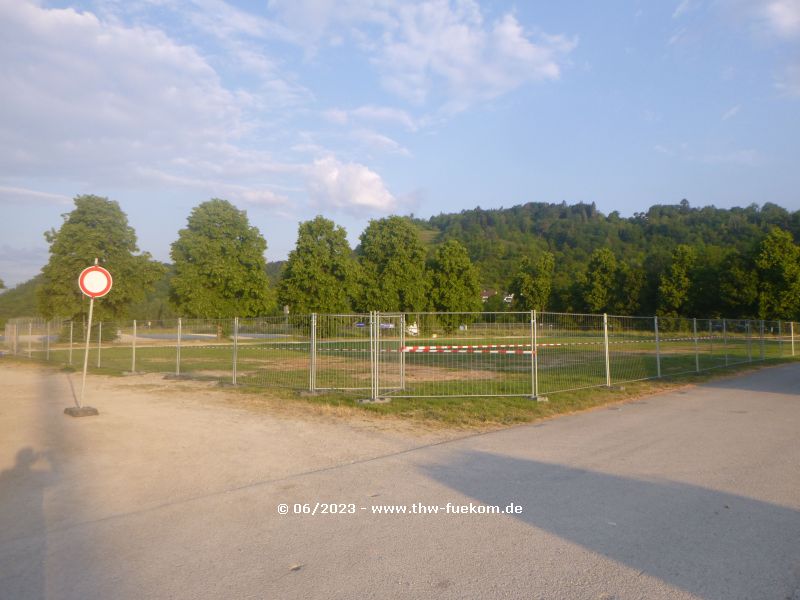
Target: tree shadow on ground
(713, 544)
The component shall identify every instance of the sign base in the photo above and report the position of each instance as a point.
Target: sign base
(83, 411)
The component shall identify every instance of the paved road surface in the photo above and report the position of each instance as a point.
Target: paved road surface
(690, 494)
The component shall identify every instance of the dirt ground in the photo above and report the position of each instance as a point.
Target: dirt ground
(158, 441)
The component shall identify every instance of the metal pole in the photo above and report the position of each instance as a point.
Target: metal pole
(535, 350)
(402, 354)
(178, 348)
(780, 339)
(696, 349)
(30, 337)
(312, 380)
(372, 365)
(658, 349)
(762, 340)
(235, 349)
(749, 342)
(71, 323)
(725, 339)
(605, 345)
(791, 332)
(377, 354)
(47, 341)
(99, 340)
(86, 353)
(133, 349)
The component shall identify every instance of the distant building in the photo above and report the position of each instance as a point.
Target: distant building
(487, 293)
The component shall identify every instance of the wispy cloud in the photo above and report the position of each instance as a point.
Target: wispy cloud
(682, 7)
(731, 112)
(450, 52)
(17, 195)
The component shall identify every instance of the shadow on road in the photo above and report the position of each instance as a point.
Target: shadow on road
(709, 543)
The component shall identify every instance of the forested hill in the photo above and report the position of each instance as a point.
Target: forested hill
(497, 239)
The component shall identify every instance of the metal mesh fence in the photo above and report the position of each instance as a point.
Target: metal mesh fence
(411, 355)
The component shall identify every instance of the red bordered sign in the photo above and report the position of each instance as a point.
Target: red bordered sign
(95, 281)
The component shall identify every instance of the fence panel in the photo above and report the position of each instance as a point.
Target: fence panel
(571, 350)
(275, 352)
(465, 354)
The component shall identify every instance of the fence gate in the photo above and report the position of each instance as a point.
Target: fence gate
(388, 359)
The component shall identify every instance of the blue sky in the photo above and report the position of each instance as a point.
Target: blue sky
(360, 109)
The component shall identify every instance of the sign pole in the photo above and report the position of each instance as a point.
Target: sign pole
(94, 282)
(86, 353)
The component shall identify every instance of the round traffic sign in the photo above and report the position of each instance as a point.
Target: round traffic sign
(95, 281)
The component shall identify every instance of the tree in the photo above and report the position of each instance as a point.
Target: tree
(778, 264)
(738, 286)
(393, 266)
(598, 288)
(96, 228)
(220, 270)
(675, 284)
(454, 282)
(629, 281)
(533, 282)
(320, 275)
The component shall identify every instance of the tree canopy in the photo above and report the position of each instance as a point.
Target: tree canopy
(320, 274)
(220, 269)
(454, 281)
(532, 284)
(95, 228)
(393, 266)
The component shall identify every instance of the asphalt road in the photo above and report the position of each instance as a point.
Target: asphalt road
(690, 494)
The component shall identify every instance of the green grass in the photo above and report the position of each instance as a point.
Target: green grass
(473, 388)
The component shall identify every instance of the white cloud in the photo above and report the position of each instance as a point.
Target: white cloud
(783, 16)
(444, 49)
(731, 112)
(348, 186)
(432, 51)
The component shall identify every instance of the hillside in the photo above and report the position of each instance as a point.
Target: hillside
(498, 238)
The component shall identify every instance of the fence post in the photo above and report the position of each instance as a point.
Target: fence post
(235, 349)
(30, 337)
(791, 331)
(178, 348)
(535, 355)
(696, 349)
(749, 341)
(605, 345)
(402, 353)
(725, 339)
(658, 349)
(133, 349)
(47, 341)
(377, 354)
(372, 364)
(763, 357)
(71, 323)
(312, 375)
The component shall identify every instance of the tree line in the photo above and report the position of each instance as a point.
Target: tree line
(671, 260)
